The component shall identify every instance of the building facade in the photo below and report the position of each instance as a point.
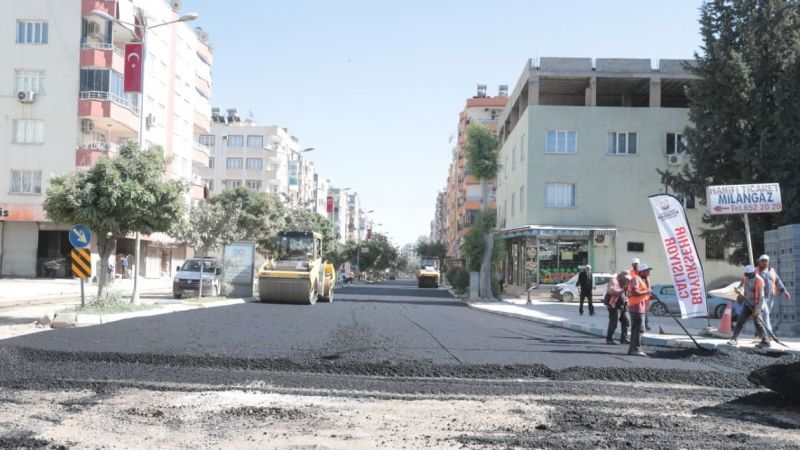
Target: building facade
(582, 141)
(463, 188)
(65, 107)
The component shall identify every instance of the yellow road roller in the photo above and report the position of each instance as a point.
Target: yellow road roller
(428, 274)
(295, 273)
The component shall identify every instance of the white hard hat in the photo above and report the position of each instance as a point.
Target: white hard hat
(764, 257)
(749, 269)
(644, 267)
(635, 261)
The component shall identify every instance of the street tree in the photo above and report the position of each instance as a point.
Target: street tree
(118, 196)
(744, 112)
(380, 254)
(426, 247)
(210, 226)
(303, 219)
(260, 216)
(482, 146)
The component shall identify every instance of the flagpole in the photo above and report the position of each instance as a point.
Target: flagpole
(142, 98)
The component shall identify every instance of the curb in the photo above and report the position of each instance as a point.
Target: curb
(653, 341)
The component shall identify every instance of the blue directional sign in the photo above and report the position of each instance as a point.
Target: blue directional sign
(80, 236)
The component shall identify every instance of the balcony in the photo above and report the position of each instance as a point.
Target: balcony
(200, 154)
(102, 54)
(88, 152)
(99, 104)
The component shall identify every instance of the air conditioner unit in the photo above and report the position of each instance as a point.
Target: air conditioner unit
(87, 126)
(600, 240)
(675, 160)
(26, 96)
(150, 121)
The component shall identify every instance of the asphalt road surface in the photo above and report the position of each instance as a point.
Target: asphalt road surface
(384, 342)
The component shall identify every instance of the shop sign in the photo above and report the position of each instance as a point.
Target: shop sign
(17, 212)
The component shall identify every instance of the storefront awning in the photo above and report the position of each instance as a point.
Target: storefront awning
(556, 231)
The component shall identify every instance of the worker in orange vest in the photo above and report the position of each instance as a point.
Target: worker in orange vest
(752, 290)
(639, 294)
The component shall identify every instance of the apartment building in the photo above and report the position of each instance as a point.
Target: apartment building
(339, 215)
(64, 107)
(463, 188)
(439, 222)
(582, 140)
(260, 157)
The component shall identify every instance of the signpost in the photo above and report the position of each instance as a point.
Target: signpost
(744, 199)
(80, 236)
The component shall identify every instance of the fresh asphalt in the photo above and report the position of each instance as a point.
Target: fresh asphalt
(391, 329)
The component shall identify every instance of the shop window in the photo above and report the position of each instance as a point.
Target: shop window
(636, 247)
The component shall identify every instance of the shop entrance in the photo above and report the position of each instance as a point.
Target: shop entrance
(561, 259)
(53, 255)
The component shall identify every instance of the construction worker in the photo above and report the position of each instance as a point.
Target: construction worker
(634, 268)
(773, 286)
(616, 302)
(752, 290)
(639, 294)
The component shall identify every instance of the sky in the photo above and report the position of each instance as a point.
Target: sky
(376, 87)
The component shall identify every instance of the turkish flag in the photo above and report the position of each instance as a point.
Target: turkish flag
(330, 204)
(369, 233)
(133, 67)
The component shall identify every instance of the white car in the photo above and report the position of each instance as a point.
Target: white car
(568, 292)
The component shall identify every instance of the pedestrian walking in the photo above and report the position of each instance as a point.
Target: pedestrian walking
(616, 302)
(752, 291)
(639, 294)
(585, 288)
(123, 262)
(773, 287)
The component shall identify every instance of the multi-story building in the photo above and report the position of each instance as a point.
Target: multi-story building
(353, 218)
(439, 222)
(260, 157)
(463, 188)
(339, 215)
(64, 90)
(321, 189)
(581, 144)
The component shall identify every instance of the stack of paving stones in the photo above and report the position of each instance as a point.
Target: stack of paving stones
(783, 247)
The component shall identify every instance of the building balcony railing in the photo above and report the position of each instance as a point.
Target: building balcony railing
(103, 46)
(106, 96)
(89, 151)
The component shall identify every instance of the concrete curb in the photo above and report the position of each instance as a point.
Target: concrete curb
(73, 319)
(671, 341)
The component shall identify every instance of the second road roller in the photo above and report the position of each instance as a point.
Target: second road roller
(295, 273)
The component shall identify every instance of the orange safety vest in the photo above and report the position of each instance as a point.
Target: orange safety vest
(635, 287)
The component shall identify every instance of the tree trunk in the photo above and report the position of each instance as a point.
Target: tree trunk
(485, 286)
(105, 246)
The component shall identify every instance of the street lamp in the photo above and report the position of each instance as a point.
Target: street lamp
(144, 28)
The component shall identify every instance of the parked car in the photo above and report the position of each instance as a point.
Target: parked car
(666, 293)
(568, 291)
(187, 278)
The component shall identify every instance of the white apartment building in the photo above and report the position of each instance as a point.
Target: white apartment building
(260, 157)
(321, 188)
(581, 143)
(63, 107)
(339, 215)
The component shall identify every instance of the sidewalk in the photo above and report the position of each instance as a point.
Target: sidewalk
(26, 291)
(664, 333)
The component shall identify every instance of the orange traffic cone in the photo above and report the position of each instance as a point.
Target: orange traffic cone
(725, 322)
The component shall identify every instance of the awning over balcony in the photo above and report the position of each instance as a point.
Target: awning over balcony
(557, 231)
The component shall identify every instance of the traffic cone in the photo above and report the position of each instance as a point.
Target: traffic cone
(724, 329)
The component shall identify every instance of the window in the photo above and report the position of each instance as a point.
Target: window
(522, 149)
(560, 141)
(560, 195)
(211, 162)
(210, 184)
(676, 144)
(274, 189)
(521, 198)
(686, 200)
(513, 204)
(254, 185)
(29, 80)
(621, 143)
(26, 182)
(233, 163)
(231, 184)
(715, 249)
(636, 247)
(255, 163)
(273, 167)
(668, 290)
(94, 80)
(255, 141)
(513, 158)
(31, 32)
(28, 132)
(206, 139)
(235, 141)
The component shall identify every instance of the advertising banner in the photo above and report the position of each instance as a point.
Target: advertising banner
(239, 263)
(683, 262)
(294, 173)
(744, 198)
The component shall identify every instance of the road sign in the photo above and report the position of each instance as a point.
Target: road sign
(744, 199)
(80, 236)
(81, 263)
(365, 250)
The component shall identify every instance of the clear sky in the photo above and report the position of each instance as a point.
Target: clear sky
(376, 86)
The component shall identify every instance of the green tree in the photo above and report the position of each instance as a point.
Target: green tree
(426, 247)
(302, 219)
(744, 111)
(482, 146)
(259, 215)
(118, 196)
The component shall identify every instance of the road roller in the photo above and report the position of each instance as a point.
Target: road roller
(295, 272)
(428, 274)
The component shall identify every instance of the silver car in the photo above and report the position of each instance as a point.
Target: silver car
(187, 278)
(567, 292)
